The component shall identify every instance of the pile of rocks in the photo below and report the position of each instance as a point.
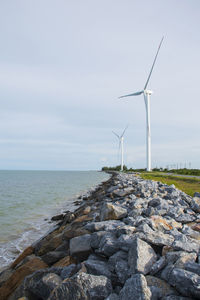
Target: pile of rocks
(130, 239)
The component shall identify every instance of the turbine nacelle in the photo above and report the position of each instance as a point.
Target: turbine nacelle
(148, 92)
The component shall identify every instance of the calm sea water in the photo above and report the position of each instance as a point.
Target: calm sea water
(28, 199)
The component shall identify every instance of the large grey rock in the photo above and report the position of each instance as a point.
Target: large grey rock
(135, 288)
(126, 229)
(158, 238)
(109, 211)
(97, 266)
(53, 256)
(98, 287)
(192, 267)
(119, 255)
(158, 265)
(122, 270)
(195, 204)
(38, 285)
(185, 218)
(69, 271)
(125, 241)
(185, 243)
(96, 238)
(108, 245)
(187, 283)
(110, 225)
(122, 192)
(69, 290)
(141, 257)
(80, 246)
(164, 288)
(112, 297)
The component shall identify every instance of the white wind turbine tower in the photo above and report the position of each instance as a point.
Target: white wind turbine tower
(147, 94)
(121, 145)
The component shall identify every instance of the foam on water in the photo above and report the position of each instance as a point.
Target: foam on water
(28, 200)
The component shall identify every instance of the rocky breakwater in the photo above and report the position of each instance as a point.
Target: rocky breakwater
(129, 239)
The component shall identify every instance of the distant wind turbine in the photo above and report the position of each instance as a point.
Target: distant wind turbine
(147, 94)
(121, 145)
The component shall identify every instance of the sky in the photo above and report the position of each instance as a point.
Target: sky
(63, 65)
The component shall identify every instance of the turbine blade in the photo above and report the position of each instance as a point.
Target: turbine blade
(124, 131)
(116, 134)
(153, 64)
(134, 94)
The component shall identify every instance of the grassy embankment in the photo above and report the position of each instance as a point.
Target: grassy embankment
(187, 185)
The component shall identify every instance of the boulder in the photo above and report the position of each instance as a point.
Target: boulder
(141, 256)
(80, 246)
(135, 288)
(108, 244)
(64, 262)
(17, 277)
(48, 243)
(28, 251)
(112, 297)
(110, 225)
(53, 256)
(195, 204)
(164, 288)
(110, 211)
(158, 265)
(97, 266)
(98, 287)
(69, 290)
(187, 283)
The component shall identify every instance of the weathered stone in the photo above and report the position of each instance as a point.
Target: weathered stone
(103, 226)
(108, 244)
(119, 255)
(164, 287)
(122, 193)
(80, 246)
(26, 252)
(71, 231)
(112, 297)
(64, 262)
(165, 274)
(57, 217)
(98, 287)
(126, 229)
(48, 243)
(136, 287)
(195, 204)
(185, 243)
(40, 286)
(68, 218)
(17, 277)
(69, 271)
(192, 267)
(185, 218)
(110, 211)
(125, 241)
(97, 266)
(158, 265)
(141, 257)
(158, 238)
(68, 290)
(184, 259)
(122, 270)
(96, 238)
(4, 275)
(53, 256)
(196, 227)
(187, 283)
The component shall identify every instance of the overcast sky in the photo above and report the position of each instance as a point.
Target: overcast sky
(63, 65)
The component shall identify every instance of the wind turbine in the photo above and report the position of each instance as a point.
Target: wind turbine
(147, 94)
(121, 145)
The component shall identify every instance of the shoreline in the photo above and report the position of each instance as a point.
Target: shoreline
(128, 236)
(22, 226)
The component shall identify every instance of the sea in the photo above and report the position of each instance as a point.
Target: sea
(28, 200)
